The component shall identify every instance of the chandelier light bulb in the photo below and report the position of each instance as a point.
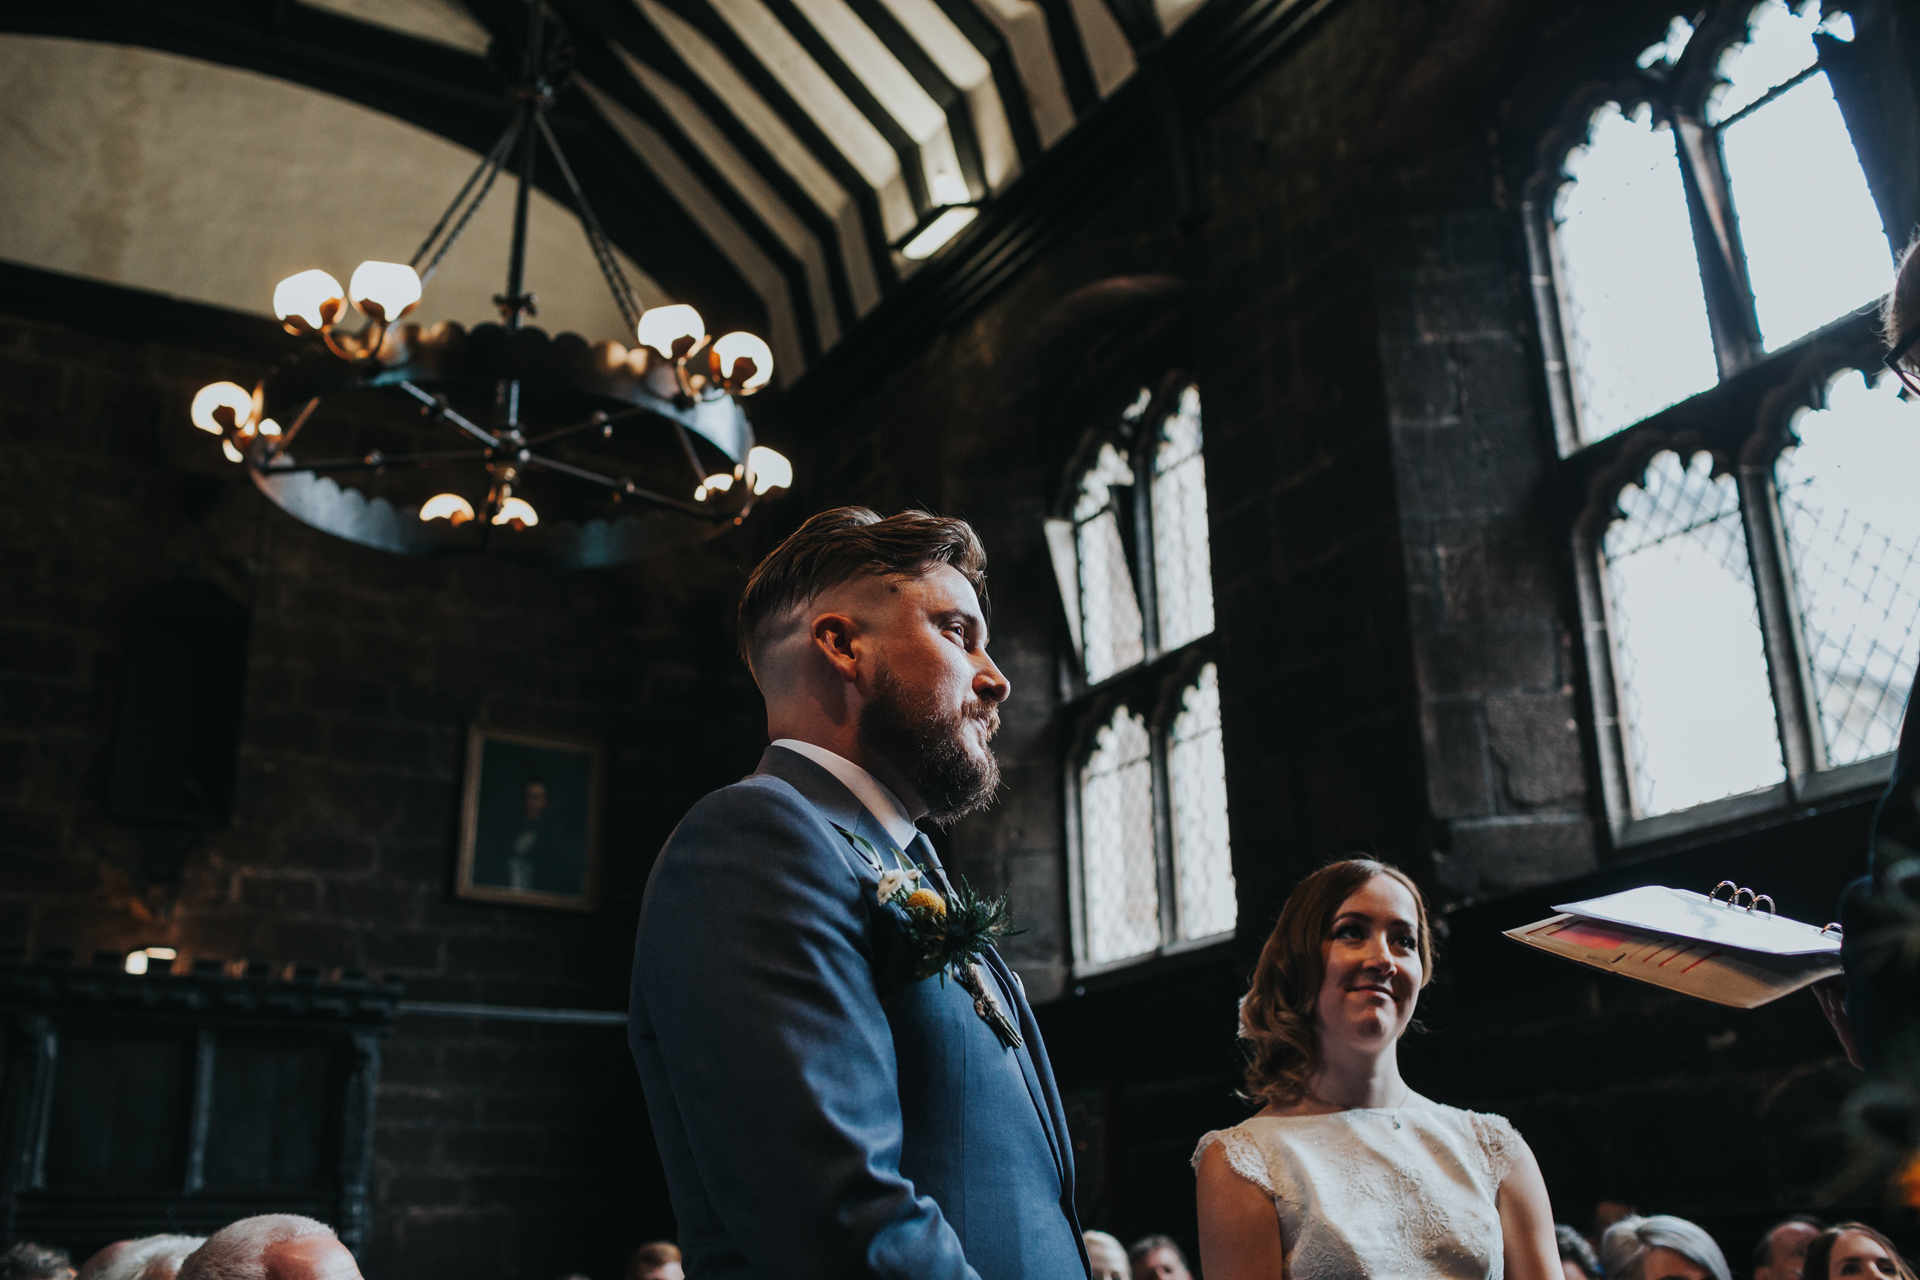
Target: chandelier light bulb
(222, 395)
(233, 454)
(770, 470)
(673, 331)
(743, 346)
(312, 297)
(269, 428)
(451, 507)
(717, 483)
(384, 290)
(517, 511)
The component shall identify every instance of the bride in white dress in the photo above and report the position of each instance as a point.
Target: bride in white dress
(1346, 1171)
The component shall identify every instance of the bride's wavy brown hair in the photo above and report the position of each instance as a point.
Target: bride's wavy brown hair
(1277, 1013)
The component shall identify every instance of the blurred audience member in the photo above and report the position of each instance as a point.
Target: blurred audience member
(1854, 1249)
(659, 1260)
(1106, 1256)
(1605, 1214)
(1576, 1255)
(273, 1246)
(1661, 1247)
(29, 1261)
(1782, 1248)
(1158, 1258)
(148, 1258)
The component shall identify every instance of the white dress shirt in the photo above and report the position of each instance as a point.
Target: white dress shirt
(869, 790)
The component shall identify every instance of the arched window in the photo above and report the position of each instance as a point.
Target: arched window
(1708, 240)
(1716, 212)
(1853, 545)
(1150, 859)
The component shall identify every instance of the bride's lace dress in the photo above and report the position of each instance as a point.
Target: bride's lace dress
(1358, 1197)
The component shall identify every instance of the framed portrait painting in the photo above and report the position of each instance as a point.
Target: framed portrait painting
(530, 820)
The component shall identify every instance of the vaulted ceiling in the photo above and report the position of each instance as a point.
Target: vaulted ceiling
(763, 158)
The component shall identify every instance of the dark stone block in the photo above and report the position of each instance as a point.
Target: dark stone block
(1501, 855)
(1535, 743)
(1458, 777)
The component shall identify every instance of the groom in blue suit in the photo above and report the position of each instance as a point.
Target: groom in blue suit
(819, 1112)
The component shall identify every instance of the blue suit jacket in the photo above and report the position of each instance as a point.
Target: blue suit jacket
(817, 1112)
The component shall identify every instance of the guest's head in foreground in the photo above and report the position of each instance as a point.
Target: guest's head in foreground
(1661, 1247)
(1576, 1255)
(29, 1261)
(868, 637)
(658, 1260)
(1106, 1256)
(273, 1246)
(1336, 985)
(1158, 1258)
(147, 1258)
(1781, 1250)
(1854, 1249)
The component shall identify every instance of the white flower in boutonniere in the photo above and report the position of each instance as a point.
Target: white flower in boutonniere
(892, 882)
(945, 936)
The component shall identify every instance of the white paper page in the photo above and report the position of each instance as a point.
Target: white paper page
(1696, 916)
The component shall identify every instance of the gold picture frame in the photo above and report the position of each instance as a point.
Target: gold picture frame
(530, 820)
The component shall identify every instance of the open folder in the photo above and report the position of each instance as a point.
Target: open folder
(1731, 950)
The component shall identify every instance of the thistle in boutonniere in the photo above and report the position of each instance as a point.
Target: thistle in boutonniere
(946, 936)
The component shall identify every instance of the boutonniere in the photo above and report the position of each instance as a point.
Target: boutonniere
(947, 936)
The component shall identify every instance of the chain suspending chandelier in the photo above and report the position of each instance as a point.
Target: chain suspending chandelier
(546, 434)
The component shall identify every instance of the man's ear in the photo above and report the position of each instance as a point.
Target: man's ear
(838, 637)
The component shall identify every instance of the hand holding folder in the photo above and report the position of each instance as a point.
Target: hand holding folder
(1730, 950)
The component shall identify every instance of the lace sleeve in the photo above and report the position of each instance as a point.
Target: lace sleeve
(1500, 1142)
(1242, 1157)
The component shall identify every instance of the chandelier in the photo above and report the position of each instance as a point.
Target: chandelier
(439, 440)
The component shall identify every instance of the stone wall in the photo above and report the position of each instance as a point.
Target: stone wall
(501, 1148)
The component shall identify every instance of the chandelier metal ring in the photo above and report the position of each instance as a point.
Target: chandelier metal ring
(516, 414)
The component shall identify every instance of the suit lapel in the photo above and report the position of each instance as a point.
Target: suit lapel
(1032, 1056)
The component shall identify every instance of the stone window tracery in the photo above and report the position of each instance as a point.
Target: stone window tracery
(1150, 859)
(1708, 237)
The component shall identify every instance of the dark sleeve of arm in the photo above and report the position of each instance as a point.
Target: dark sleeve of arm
(754, 966)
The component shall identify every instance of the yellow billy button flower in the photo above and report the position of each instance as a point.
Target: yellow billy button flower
(929, 899)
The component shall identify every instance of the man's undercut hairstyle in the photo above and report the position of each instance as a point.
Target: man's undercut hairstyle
(238, 1251)
(837, 546)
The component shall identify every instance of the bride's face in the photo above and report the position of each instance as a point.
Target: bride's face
(1373, 974)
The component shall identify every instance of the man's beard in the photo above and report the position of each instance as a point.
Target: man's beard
(929, 745)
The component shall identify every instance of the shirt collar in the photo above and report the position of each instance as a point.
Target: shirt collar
(869, 790)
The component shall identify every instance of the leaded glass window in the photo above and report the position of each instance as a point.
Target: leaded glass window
(1109, 606)
(1182, 558)
(1693, 673)
(1151, 859)
(1853, 541)
(1116, 825)
(1197, 781)
(1707, 246)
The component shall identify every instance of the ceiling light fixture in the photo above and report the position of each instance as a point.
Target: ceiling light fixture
(551, 431)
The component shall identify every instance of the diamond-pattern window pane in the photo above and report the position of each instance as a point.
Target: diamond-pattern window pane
(1109, 608)
(1814, 243)
(1623, 236)
(1118, 866)
(1686, 635)
(1182, 559)
(1853, 537)
(1197, 773)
